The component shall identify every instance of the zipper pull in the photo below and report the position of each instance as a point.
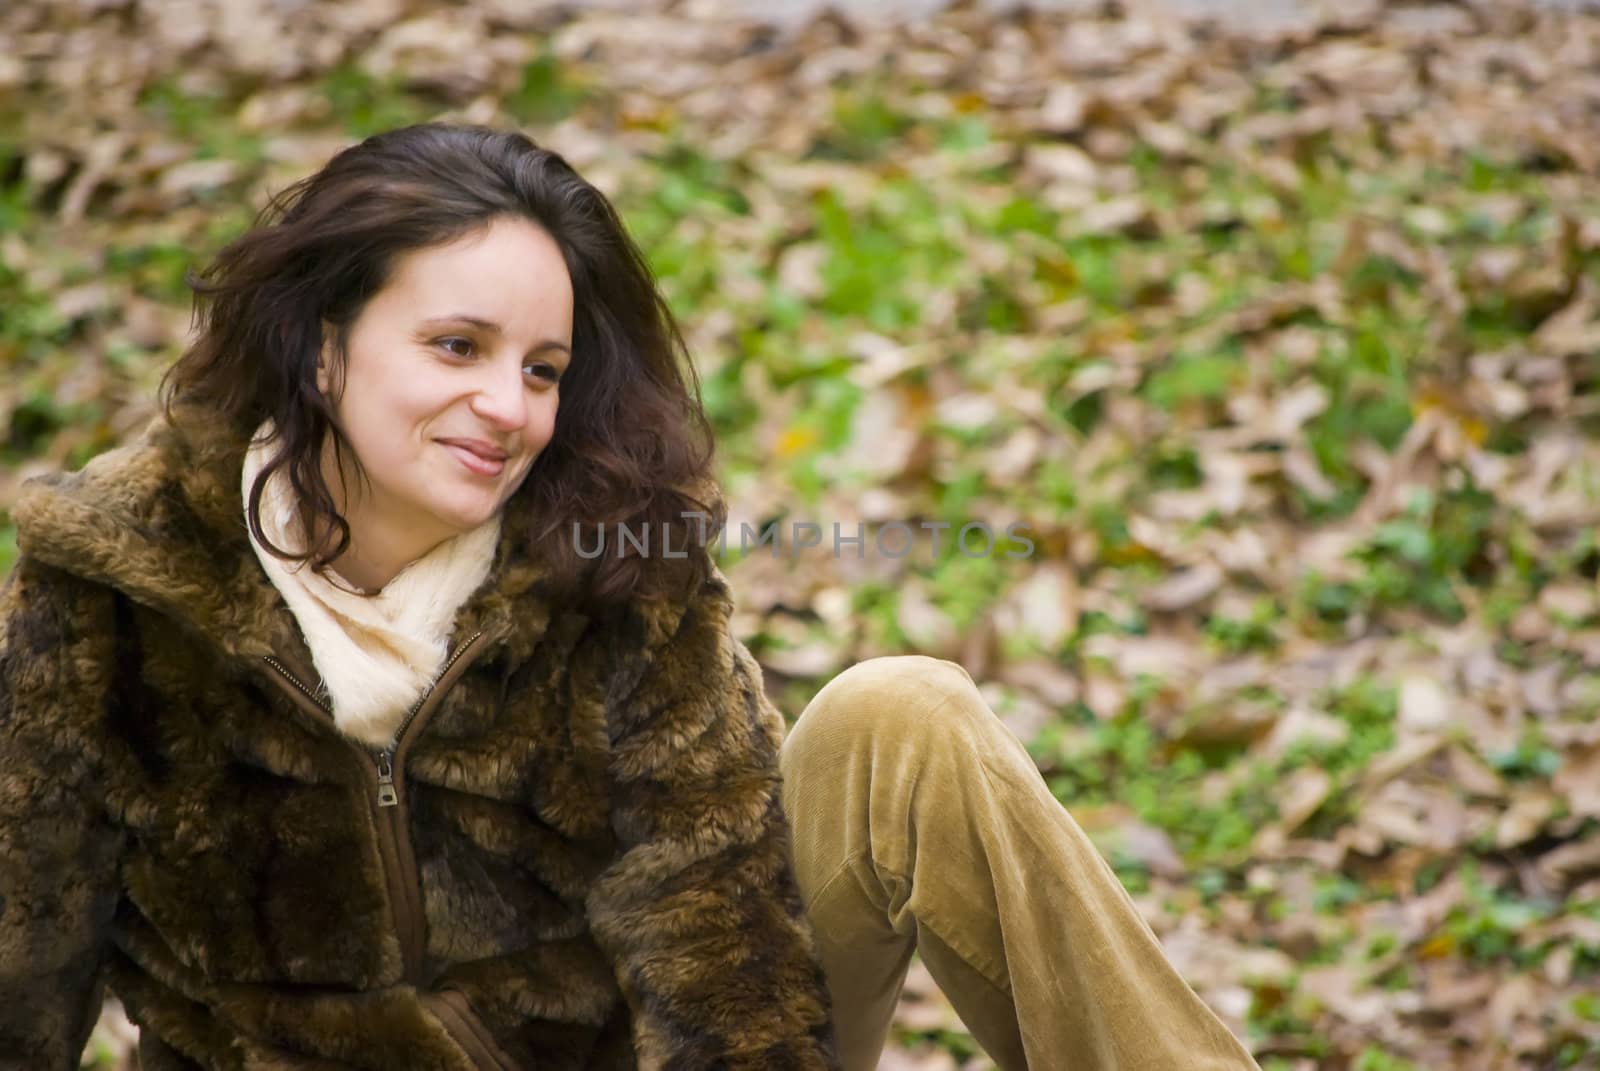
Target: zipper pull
(387, 797)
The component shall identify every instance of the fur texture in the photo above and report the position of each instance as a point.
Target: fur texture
(593, 809)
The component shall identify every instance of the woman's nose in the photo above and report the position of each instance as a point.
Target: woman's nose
(501, 399)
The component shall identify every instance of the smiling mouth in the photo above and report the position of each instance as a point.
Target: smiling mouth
(477, 458)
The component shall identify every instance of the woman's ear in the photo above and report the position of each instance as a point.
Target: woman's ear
(325, 361)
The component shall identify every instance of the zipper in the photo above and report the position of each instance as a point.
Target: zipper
(382, 758)
(283, 671)
(388, 794)
(450, 1007)
(389, 813)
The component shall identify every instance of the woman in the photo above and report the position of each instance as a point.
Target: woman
(323, 746)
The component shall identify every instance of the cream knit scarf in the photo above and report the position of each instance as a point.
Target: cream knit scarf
(377, 654)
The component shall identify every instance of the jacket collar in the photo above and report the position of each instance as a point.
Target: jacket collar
(162, 520)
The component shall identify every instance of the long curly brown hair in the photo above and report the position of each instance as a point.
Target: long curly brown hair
(631, 445)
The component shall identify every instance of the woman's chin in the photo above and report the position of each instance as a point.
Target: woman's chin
(459, 517)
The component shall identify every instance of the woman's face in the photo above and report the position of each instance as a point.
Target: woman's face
(451, 382)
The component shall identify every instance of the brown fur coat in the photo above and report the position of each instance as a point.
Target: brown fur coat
(575, 857)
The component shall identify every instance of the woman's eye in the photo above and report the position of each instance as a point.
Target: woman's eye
(448, 343)
(543, 371)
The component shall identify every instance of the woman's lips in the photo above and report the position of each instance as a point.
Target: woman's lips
(478, 458)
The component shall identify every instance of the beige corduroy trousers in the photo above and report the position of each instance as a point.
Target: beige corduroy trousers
(921, 823)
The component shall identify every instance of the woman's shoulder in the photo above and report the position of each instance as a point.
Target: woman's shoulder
(155, 515)
(106, 481)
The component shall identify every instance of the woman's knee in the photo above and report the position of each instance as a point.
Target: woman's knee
(894, 696)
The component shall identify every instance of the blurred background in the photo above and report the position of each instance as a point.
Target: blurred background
(1277, 325)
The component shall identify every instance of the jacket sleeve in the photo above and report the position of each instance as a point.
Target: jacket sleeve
(700, 915)
(58, 868)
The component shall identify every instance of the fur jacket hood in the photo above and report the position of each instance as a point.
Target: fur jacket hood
(574, 855)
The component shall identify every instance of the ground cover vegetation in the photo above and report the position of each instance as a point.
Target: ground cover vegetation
(1282, 341)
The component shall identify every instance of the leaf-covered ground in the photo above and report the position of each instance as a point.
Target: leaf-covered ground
(1281, 340)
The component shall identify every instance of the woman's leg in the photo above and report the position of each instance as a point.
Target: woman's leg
(920, 821)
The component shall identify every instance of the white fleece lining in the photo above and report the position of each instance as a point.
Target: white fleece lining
(376, 653)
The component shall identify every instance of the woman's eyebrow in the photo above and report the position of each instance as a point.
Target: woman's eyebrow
(492, 328)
